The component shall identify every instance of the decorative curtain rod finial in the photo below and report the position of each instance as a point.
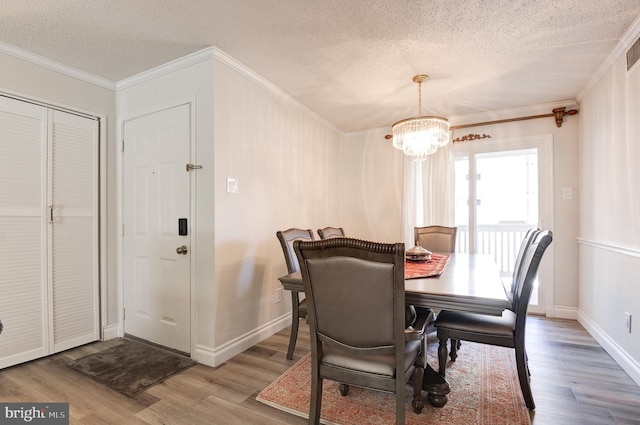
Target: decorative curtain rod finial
(560, 113)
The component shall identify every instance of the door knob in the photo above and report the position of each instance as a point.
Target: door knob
(182, 250)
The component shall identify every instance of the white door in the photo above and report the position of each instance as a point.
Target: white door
(156, 195)
(23, 253)
(73, 229)
(510, 192)
(49, 265)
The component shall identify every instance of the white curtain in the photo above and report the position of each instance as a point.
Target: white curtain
(428, 195)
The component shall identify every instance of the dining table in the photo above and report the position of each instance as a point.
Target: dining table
(466, 282)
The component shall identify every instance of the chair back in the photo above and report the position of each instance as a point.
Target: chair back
(286, 238)
(355, 294)
(528, 238)
(527, 276)
(331, 232)
(436, 238)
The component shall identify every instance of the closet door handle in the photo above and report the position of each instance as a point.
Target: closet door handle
(51, 214)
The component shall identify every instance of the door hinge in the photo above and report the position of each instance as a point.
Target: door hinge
(123, 314)
(122, 146)
(191, 167)
(123, 230)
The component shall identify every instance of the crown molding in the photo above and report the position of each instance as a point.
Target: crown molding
(167, 68)
(279, 93)
(52, 65)
(623, 45)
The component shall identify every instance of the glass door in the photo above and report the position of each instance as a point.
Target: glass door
(499, 203)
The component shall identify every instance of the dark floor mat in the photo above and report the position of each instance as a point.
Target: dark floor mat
(131, 367)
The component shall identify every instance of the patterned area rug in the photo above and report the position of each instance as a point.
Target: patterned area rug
(131, 367)
(484, 391)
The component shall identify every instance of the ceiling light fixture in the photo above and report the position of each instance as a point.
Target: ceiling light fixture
(420, 136)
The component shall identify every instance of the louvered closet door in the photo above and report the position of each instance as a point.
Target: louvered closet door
(74, 229)
(23, 288)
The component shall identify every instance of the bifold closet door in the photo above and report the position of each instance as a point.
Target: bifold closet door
(49, 264)
(24, 308)
(73, 229)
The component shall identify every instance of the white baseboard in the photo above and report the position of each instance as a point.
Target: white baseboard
(563, 312)
(626, 362)
(111, 331)
(216, 356)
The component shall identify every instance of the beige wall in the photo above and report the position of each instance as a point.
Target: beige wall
(609, 249)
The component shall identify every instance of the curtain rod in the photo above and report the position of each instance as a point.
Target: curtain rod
(558, 113)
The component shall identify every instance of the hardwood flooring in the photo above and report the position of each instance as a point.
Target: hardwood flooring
(574, 382)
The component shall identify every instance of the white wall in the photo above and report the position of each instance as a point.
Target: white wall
(609, 250)
(41, 80)
(371, 187)
(287, 164)
(285, 161)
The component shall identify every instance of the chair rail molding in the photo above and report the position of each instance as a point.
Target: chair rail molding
(609, 246)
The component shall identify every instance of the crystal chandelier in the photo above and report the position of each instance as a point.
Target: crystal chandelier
(420, 136)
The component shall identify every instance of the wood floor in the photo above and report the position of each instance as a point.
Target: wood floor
(574, 382)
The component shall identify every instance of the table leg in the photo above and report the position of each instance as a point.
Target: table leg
(436, 387)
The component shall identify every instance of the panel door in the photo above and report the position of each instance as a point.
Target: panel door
(157, 283)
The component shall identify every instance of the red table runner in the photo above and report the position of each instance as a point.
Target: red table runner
(434, 267)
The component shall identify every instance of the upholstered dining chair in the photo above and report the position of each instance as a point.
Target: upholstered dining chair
(331, 232)
(298, 307)
(356, 312)
(524, 245)
(436, 238)
(507, 330)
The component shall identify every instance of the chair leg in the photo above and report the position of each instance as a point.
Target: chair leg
(344, 389)
(453, 353)
(316, 399)
(523, 376)
(400, 400)
(418, 377)
(442, 355)
(295, 321)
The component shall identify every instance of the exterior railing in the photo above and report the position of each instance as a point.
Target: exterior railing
(502, 241)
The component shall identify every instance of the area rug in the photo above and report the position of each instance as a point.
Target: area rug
(131, 367)
(484, 391)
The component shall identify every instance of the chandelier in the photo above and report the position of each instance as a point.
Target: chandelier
(420, 136)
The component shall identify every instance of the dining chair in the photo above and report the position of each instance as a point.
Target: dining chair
(331, 232)
(436, 238)
(298, 307)
(356, 311)
(524, 245)
(507, 330)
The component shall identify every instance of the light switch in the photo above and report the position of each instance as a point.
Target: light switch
(232, 185)
(567, 193)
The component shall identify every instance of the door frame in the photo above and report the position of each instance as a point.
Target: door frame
(191, 102)
(544, 144)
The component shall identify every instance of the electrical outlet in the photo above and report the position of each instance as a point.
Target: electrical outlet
(627, 322)
(278, 295)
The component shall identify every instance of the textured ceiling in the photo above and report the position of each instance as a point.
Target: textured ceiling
(352, 61)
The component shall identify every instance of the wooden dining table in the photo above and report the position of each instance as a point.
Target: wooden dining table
(469, 282)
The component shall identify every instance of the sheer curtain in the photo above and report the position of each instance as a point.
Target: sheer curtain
(428, 195)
